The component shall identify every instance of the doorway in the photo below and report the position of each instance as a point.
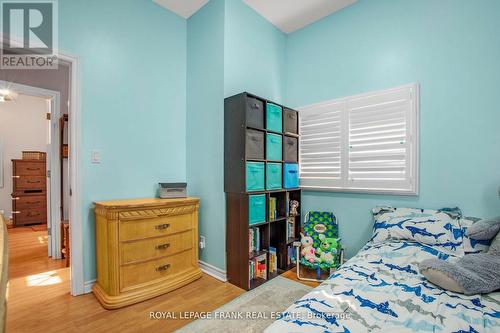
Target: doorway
(31, 144)
(72, 205)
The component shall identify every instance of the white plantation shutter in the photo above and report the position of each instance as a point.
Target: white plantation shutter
(321, 145)
(364, 143)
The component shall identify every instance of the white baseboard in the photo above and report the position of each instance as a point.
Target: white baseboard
(88, 286)
(213, 271)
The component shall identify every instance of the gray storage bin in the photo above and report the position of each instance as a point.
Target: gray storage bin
(173, 190)
(291, 120)
(255, 113)
(254, 144)
(291, 149)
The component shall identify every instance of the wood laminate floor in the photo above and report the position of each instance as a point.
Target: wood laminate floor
(38, 298)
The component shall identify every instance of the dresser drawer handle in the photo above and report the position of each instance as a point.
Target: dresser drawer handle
(16, 198)
(33, 169)
(16, 176)
(32, 202)
(33, 181)
(162, 268)
(32, 215)
(162, 226)
(163, 246)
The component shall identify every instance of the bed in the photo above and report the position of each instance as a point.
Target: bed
(381, 290)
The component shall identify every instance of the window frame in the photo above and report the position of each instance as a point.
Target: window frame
(413, 135)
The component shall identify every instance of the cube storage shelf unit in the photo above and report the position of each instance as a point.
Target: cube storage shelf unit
(261, 146)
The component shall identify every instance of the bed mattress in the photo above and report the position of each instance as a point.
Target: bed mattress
(381, 290)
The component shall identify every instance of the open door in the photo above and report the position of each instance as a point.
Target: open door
(53, 183)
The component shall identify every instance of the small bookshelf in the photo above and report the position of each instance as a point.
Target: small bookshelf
(260, 226)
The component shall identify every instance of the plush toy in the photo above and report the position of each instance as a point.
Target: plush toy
(294, 205)
(328, 249)
(307, 251)
(473, 273)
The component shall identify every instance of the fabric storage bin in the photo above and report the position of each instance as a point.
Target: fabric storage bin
(290, 151)
(291, 120)
(274, 117)
(256, 208)
(255, 176)
(254, 144)
(274, 176)
(274, 147)
(255, 113)
(291, 175)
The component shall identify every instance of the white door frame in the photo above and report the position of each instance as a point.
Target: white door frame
(75, 201)
(75, 209)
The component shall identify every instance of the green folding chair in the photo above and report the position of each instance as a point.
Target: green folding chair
(322, 250)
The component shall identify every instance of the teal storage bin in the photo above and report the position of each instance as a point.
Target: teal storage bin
(274, 147)
(291, 175)
(274, 176)
(256, 209)
(255, 176)
(274, 117)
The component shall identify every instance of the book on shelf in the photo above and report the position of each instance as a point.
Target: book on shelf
(287, 203)
(273, 212)
(290, 227)
(254, 240)
(290, 258)
(273, 260)
(257, 267)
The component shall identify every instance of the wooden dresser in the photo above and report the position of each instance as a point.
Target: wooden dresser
(144, 248)
(29, 192)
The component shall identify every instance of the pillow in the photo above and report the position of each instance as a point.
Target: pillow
(470, 275)
(471, 245)
(439, 228)
(484, 229)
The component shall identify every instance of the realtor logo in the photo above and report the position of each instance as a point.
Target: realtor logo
(29, 30)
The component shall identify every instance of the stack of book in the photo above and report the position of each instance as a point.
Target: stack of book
(257, 267)
(254, 240)
(273, 260)
(273, 212)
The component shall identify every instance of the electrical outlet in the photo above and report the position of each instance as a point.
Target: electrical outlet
(202, 242)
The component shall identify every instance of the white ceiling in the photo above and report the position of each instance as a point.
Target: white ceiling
(183, 8)
(287, 15)
(291, 15)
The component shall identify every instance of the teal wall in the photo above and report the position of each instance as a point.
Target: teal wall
(230, 49)
(254, 54)
(205, 126)
(452, 49)
(133, 100)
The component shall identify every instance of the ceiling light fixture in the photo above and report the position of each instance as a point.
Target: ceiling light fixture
(7, 95)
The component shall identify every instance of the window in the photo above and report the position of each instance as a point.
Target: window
(364, 143)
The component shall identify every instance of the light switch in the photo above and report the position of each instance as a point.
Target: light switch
(96, 157)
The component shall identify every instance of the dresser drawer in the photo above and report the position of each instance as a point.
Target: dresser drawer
(136, 274)
(28, 202)
(138, 228)
(31, 215)
(30, 183)
(29, 168)
(155, 247)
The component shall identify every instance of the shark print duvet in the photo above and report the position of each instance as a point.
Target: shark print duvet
(381, 290)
